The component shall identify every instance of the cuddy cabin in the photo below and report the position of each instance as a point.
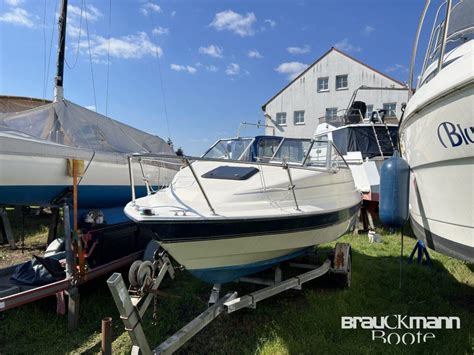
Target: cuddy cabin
(248, 204)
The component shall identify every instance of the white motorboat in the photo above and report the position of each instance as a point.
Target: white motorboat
(365, 139)
(437, 131)
(250, 203)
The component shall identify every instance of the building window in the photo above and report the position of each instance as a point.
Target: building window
(323, 84)
(390, 109)
(341, 82)
(281, 118)
(298, 117)
(370, 109)
(331, 112)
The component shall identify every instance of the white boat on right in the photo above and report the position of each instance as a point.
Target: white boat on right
(437, 131)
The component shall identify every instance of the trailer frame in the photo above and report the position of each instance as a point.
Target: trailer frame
(132, 303)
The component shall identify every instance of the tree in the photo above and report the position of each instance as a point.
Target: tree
(179, 152)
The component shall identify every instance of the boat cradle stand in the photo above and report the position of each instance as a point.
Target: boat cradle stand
(132, 304)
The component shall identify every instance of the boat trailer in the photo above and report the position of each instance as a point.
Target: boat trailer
(145, 278)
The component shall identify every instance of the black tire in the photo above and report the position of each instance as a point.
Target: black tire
(345, 280)
(133, 273)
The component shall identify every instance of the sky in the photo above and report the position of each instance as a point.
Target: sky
(193, 70)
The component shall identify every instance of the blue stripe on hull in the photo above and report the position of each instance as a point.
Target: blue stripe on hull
(231, 273)
(89, 196)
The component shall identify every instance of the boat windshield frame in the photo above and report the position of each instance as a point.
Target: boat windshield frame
(443, 32)
(240, 158)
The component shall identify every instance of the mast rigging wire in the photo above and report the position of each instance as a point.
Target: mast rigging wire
(161, 80)
(90, 57)
(108, 60)
(79, 39)
(46, 77)
(44, 45)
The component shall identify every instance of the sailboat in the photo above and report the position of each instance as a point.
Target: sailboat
(243, 207)
(437, 132)
(38, 147)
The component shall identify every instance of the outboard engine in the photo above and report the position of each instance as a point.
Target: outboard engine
(394, 189)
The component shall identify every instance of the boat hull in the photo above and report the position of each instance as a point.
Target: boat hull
(437, 139)
(222, 251)
(35, 180)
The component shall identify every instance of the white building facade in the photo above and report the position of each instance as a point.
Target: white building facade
(325, 89)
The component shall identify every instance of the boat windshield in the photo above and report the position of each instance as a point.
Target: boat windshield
(436, 42)
(231, 149)
(319, 153)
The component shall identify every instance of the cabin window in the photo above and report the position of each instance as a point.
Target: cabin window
(323, 84)
(298, 117)
(341, 82)
(390, 109)
(370, 109)
(331, 112)
(281, 118)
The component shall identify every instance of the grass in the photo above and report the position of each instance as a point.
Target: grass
(295, 322)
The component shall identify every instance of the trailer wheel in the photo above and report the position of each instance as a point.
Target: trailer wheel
(342, 265)
(133, 273)
(346, 278)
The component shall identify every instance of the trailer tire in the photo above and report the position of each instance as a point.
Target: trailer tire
(345, 279)
(133, 273)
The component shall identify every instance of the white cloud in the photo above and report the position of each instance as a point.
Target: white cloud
(74, 19)
(17, 16)
(173, 13)
(254, 54)
(233, 69)
(299, 50)
(126, 47)
(149, 7)
(93, 13)
(211, 68)
(235, 22)
(397, 68)
(270, 22)
(368, 30)
(346, 46)
(160, 31)
(91, 107)
(212, 50)
(291, 69)
(14, 2)
(184, 68)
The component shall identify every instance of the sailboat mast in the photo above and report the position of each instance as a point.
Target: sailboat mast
(58, 81)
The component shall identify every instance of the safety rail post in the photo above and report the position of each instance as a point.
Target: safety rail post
(186, 161)
(328, 156)
(445, 33)
(291, 186)
(308, 153)
(130, 173)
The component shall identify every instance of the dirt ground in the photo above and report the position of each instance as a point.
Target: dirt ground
(30, 229)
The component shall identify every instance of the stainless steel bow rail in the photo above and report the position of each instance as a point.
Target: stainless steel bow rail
(145, 281)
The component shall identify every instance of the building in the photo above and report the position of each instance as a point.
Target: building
(325, 89)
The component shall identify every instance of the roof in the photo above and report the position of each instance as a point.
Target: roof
(317, 61)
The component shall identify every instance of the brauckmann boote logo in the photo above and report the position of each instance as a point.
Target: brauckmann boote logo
(455, 135)
(396, 329)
